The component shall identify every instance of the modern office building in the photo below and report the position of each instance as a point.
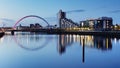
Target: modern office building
(106, 23)
(91, 23)
(84, 24)
(102, 23)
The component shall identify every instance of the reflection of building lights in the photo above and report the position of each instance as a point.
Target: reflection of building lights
(70, 36)
(62, 40)
(74, 36)
(78, 38)
(67, 38)
(119, 41)
(88, 40)
(115, 40)
(107, 43)
(82, 37)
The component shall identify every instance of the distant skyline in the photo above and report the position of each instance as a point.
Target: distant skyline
(77, 9)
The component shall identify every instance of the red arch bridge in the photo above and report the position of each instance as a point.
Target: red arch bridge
(47, 29)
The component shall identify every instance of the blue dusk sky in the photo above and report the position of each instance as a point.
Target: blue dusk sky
(77, 9)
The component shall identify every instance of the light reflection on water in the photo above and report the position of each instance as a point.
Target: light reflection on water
(59, 51)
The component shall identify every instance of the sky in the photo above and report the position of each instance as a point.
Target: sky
(77, 9)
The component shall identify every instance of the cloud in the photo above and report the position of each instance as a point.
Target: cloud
(76, 11)
(115, 11)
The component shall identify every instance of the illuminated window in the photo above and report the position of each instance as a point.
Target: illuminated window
(82, 23)
(98, 21)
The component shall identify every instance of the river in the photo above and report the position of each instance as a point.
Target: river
(34, 50)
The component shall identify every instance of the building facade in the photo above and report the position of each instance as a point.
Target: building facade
(102, 23)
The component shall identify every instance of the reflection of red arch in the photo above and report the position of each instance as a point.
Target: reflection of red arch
(33, 49)
(31, 16)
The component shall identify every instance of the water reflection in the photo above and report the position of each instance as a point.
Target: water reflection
(93, 51)
(98, 42)
(31, 41)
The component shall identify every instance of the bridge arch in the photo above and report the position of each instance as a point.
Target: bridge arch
(29, 17)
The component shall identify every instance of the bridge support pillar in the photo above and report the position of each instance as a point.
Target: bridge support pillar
(12, 32)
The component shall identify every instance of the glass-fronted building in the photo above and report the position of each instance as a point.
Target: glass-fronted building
(102, 23)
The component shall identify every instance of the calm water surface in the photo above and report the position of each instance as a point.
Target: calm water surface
(26, 50)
